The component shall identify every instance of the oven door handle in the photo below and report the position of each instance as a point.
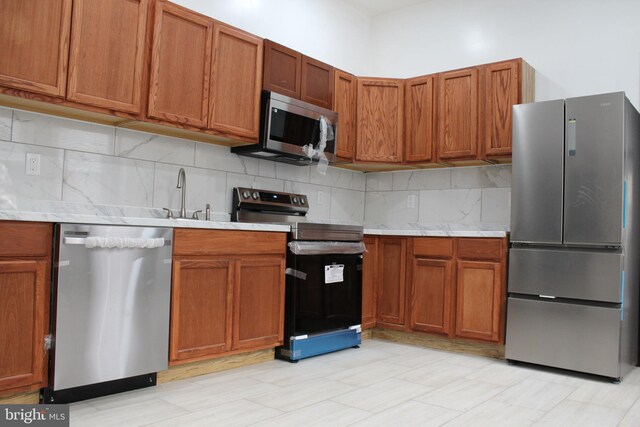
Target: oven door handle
(326, 248)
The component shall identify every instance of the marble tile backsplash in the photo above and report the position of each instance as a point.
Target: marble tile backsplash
(94, 164)
(88, 163)
(466, 195)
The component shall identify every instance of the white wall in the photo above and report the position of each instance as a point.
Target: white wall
(578, 47)
(328, 30)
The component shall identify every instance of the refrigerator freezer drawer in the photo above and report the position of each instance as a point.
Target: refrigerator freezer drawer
(591, 276)
(576, 337)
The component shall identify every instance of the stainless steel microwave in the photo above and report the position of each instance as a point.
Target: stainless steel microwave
(287, 125)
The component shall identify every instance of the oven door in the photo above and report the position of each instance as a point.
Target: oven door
(324, 293)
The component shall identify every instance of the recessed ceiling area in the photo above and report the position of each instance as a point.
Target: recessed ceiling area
(375, 7)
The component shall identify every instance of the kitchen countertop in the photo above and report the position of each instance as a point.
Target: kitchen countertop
(123, 215)
(45, 211)
(438, 230)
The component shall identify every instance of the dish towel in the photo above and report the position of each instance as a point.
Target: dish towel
(123, 242)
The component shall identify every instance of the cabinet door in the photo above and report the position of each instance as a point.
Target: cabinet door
(458, 115)
(23, 323)
(201, 307)
(317, 82)
(258, 315)
(236, 82)
(431, 295)
(105, 66)
(344, 103)
(479, 294)
(282, 69)
(502, 87)
(380, 106)
(392, 253)
(419, 125)
(35, 44)
(369, 280)
(180, 66)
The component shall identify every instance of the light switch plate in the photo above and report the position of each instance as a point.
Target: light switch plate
(320, 198)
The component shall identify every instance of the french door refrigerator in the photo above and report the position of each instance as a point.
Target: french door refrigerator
(574, 256)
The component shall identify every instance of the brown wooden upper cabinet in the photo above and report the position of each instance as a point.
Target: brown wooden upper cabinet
(35, 45)
(282, 69)
(380, 105)
(105, 64)
(420, 125)
(458, 114)
(506, 83)
(236, 82)
(317, 82)
(180, 66)
(344, 103)
(293, 74)
(392, 256)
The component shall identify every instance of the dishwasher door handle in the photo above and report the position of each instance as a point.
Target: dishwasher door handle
(119, 243)
(74, 240)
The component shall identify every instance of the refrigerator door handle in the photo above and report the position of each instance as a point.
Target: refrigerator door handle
(571, 137)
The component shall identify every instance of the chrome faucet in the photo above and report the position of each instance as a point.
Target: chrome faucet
(182, 183)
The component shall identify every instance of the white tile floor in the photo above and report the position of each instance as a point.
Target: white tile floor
(380, 384)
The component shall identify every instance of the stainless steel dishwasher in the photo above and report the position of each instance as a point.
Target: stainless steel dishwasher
(110, 310)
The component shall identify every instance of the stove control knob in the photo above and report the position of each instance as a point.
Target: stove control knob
(246, 195)
(255, 195)
(303, 201)
(295, 200)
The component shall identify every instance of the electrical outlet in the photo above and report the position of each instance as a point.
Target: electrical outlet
(320, 198)
(32, 164)
(411, 202)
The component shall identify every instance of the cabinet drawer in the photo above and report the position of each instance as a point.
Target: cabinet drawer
(433, 247)
(474, 248)
(25, 238)
(227, 242)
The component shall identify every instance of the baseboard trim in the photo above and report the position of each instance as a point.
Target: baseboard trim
(495, 351)
(203, 367)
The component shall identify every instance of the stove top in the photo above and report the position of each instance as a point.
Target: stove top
(275, 207)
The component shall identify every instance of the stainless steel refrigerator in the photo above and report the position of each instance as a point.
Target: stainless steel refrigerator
(575, 218)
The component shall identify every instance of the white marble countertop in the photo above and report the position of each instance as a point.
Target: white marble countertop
(438, 230)
(119, 215)
(122, 215)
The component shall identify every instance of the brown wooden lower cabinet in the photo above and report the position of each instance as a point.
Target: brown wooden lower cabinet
(201, 307)
(479, 305)
(392, 255)
(455, 287)
(24, 304)
(227, 293)
(431, 295)
(369, 275)
(259, 302)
